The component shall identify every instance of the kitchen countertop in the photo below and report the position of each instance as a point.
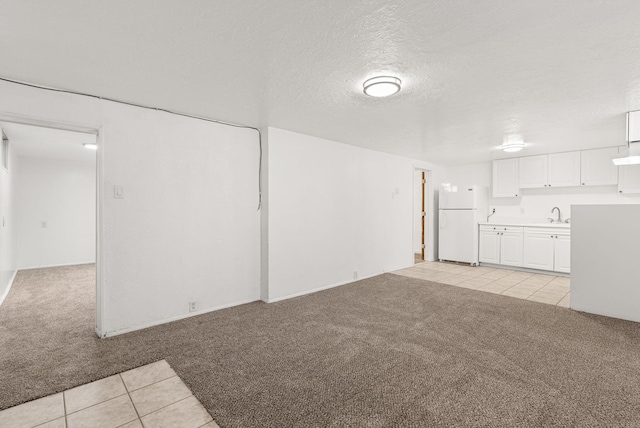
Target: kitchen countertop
(516, 224)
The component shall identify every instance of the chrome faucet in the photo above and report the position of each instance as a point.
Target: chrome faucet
(559, 220)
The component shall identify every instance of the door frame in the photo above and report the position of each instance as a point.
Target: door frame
(99, 133)
(429, 206)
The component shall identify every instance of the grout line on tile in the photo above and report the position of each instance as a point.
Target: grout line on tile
(171, 404)
(130, 399)
(93, 405)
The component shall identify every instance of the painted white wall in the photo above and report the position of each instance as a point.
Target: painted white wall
(334, 209)
(61, 193)
(605, 243)
(188, 226)
(536, 204)
(8, 184)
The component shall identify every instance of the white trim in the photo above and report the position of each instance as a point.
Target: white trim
(524, 269)
(171, 319)
(324, 287)
(100, 283)
(6, 292)
(58, 265)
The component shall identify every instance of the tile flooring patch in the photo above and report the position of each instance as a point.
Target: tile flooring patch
(153, 392)
(536, 287)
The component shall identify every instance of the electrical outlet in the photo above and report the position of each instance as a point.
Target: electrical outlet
(355, 274)
(43, 224)
(192, 306)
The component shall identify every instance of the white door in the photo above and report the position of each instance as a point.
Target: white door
(533, 171)
(489, 246)
(562, 254)
(596, 167)
(511, 248)
(456, 236)
(538, 251)
(505, 178)
(564, 169)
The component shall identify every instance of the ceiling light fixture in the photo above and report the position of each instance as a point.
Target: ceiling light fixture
(512, 146)
(382, 86)
(90, 146)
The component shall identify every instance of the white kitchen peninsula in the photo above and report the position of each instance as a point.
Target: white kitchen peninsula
(542, 246)
(604, 260)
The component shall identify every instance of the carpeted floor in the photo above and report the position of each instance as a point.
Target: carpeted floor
(385, 351)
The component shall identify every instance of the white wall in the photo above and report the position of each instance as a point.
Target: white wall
(333, 210)
(188, 227)
(536, 204)
(8, 184)
(61, 193)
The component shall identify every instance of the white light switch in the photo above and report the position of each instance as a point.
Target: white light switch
(118, 192)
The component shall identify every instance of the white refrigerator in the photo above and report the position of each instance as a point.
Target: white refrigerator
(461, 208)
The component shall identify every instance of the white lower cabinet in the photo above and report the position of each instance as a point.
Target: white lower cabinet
(501, 245)
(562, 254)
(547, 249)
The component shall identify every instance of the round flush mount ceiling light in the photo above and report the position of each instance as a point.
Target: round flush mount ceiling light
(90, 146)
(382, 86)
(512, 146)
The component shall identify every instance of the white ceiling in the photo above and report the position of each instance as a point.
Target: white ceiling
(48, 143)
(560, 73)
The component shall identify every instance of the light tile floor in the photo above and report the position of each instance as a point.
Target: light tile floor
(150, 396)
(550, 289)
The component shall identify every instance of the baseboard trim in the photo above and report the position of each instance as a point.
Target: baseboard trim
(324, 287)
(523, 269)
(6, 292)
(59, 265)
(171, 319)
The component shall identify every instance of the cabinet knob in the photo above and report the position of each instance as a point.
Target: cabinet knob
(583, 184)
(549, 185)
(620, 191)
(517, 194)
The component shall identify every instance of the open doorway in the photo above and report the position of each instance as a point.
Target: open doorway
(49, 220)
(421, 250)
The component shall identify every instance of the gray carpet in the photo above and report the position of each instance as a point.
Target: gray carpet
(386, 351)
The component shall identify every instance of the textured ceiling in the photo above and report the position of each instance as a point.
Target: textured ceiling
(560, 73)
(47, 143)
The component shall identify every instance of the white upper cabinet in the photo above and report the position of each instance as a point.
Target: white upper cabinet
(505, 178)
(533, 171)
(564, 169)
(555, 170)
(597, 168)
(629, 179)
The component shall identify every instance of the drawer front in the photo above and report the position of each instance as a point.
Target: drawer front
(499, 228)
(547, 231)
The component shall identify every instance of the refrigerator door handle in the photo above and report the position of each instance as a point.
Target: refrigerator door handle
(441, 222)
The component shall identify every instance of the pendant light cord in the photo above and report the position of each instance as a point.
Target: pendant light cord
(219, 122)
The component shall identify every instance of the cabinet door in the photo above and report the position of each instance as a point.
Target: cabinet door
(629, 179)
(511, 248)
(562, 254)
(505, 178)
(489, 247)
(597, 168)
(538, 251)
(564, 169)
(533, 171)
